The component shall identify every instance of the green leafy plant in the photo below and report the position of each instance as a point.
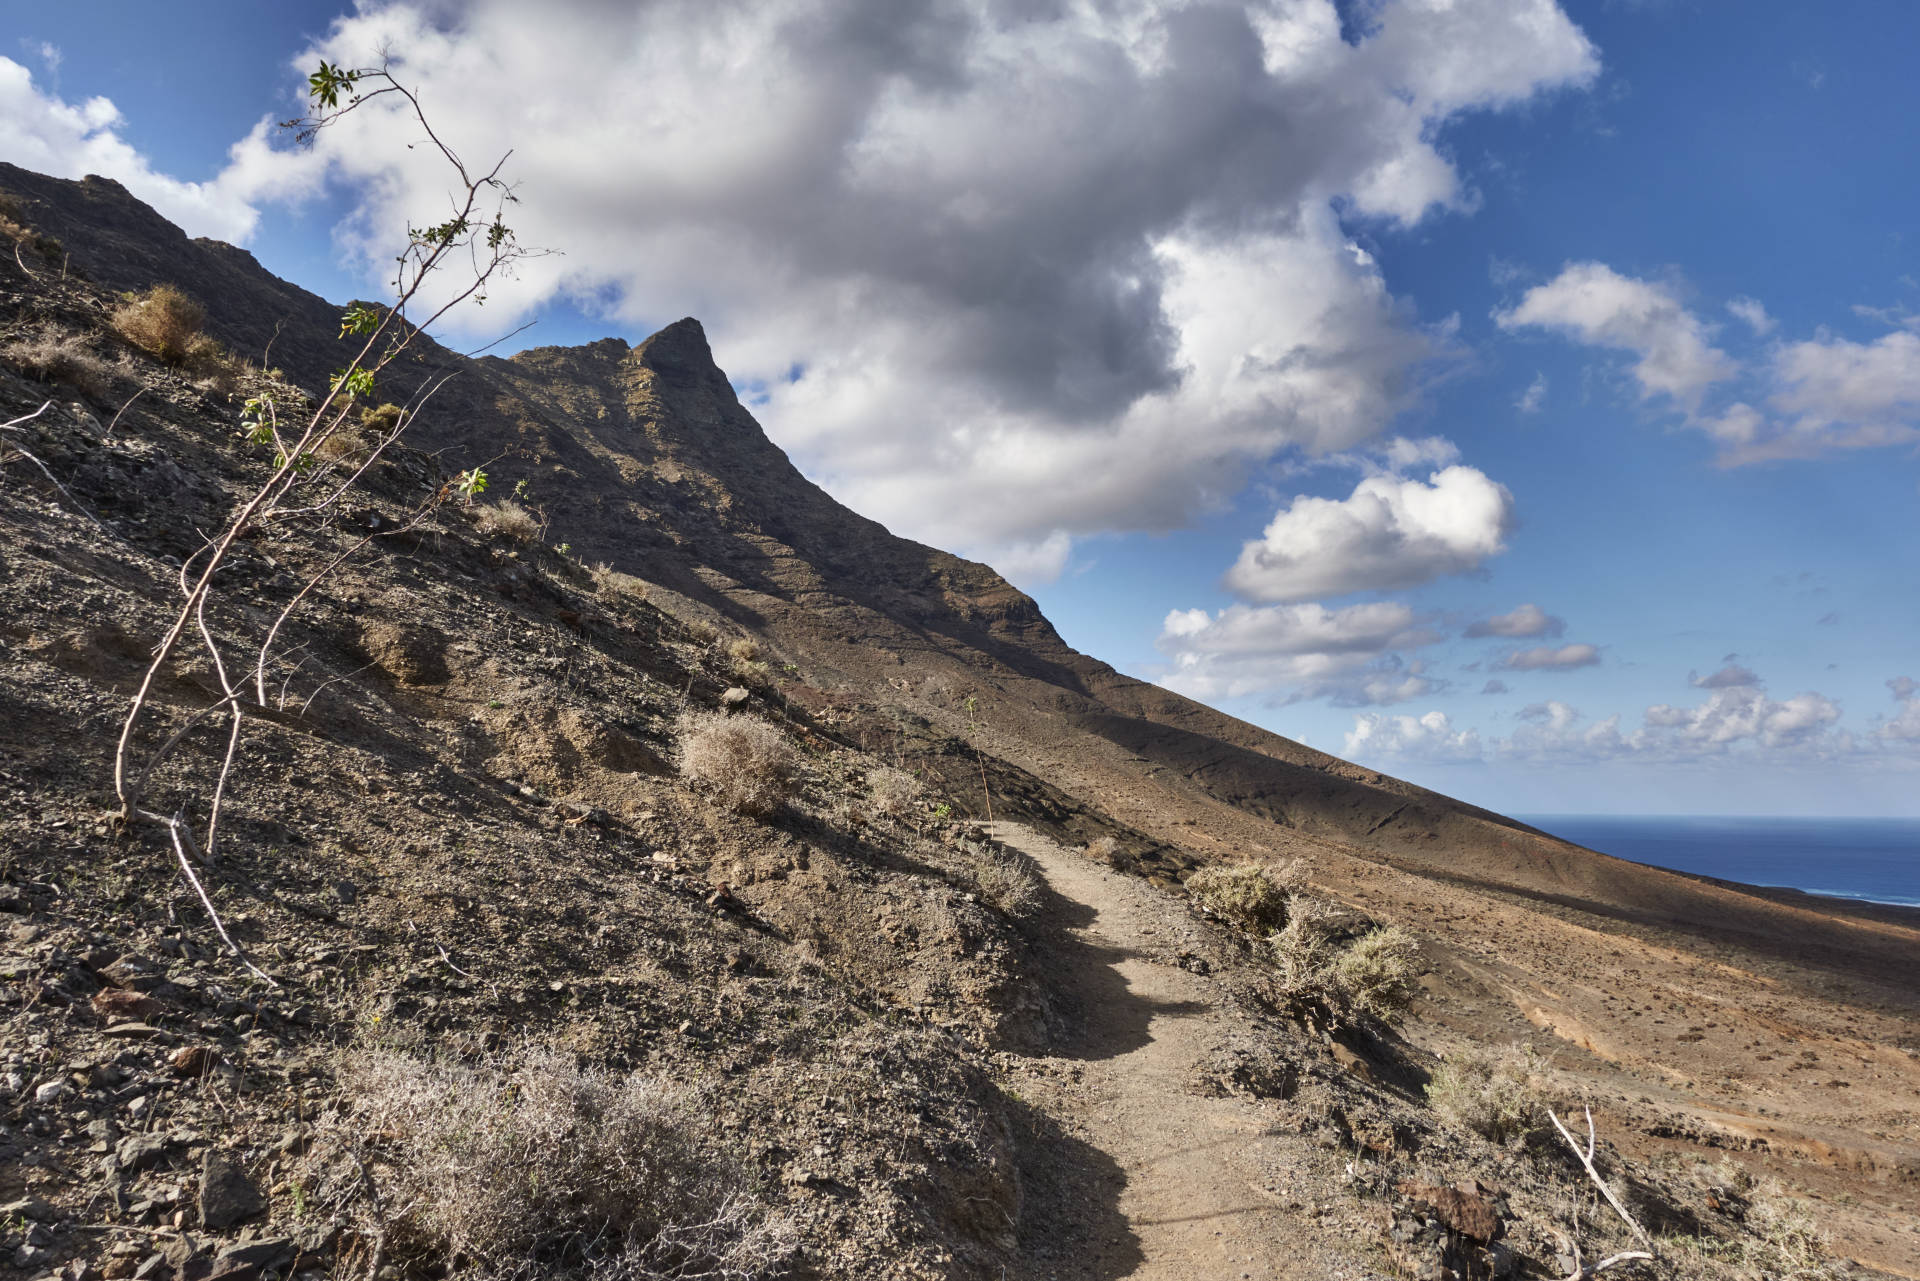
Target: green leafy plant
(470, 484)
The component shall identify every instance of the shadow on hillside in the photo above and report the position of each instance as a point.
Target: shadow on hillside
(1070, 1224)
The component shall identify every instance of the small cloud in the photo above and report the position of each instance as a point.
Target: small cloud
(1545, 658)
(1753, 313)
(1431, 737)
(1042, 561)
(1534, 396)
(1527, 620)
(1593, 304)
(1495, 686)
(1732, 676)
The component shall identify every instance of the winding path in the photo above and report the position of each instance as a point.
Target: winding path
(1149, 1180)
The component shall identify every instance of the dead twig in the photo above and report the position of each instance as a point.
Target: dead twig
(15, 425)
(182, 840)
(1583, 1271)
(123, 409)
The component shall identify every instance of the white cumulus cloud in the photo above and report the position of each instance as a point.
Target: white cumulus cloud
(1596, 305)
(1346, 655)
(1429, 737)
(42, 132)
(1079, 262)
(1391, 532)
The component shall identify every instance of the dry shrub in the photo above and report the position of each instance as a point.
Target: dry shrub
(608, 581)
(701, 632)
(1334, 985)
(744, 650)
(747, 764)
(1790, 1239)
(381, 421)
(1251, 895)
(529, 1165)
(893, 792)
(1104, 849)
(61, 356)
(1376, 973)
(344, 444)
(13, 226)
(167, 323)
(1006, 879)
(1496, 1096)
(506, 518)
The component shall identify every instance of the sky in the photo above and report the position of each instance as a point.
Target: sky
(1518, 397)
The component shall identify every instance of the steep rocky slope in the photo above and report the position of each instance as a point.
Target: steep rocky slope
(460, 828)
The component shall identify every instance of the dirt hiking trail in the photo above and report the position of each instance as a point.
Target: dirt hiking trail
(1154, 1181)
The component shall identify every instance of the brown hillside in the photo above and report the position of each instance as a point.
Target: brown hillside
(926, 1047)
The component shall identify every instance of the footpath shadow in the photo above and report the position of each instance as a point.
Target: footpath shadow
(1099, 1016)
(1070, 1225)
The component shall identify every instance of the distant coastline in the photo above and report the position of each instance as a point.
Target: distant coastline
(1863, 860)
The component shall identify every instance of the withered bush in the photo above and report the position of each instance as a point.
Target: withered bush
(1006, 880)
(529, 1165)
(1250, 895)
(1495, 1095)
(166, 323)
(746, 764)
(61, 356)
(1335, 985)
(893, 792)
(744, 650)
(508, 519)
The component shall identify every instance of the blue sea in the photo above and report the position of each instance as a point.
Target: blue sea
(1876, 859)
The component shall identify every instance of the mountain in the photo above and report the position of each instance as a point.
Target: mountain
(487, 750)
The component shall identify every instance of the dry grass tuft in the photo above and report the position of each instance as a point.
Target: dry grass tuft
(508, 519)
(893, 792)
(1251, 895)
(1106, 850)
(701, 632)
(747, 764)
(529, 1165)
(608, 581)
(1006, 880)
(1497, 1096)
(744, 650)
(61, 356)
(168, 324)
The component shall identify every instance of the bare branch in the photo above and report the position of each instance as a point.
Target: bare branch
(123, 409)
(1592, 1172)
(182, 841)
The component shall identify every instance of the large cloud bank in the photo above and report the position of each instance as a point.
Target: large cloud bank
(1079, 262)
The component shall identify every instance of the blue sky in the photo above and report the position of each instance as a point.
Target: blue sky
(1519, 398)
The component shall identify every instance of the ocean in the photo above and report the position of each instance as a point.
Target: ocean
(1877, 859)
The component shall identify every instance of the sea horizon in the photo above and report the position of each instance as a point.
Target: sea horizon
(1874, 859)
